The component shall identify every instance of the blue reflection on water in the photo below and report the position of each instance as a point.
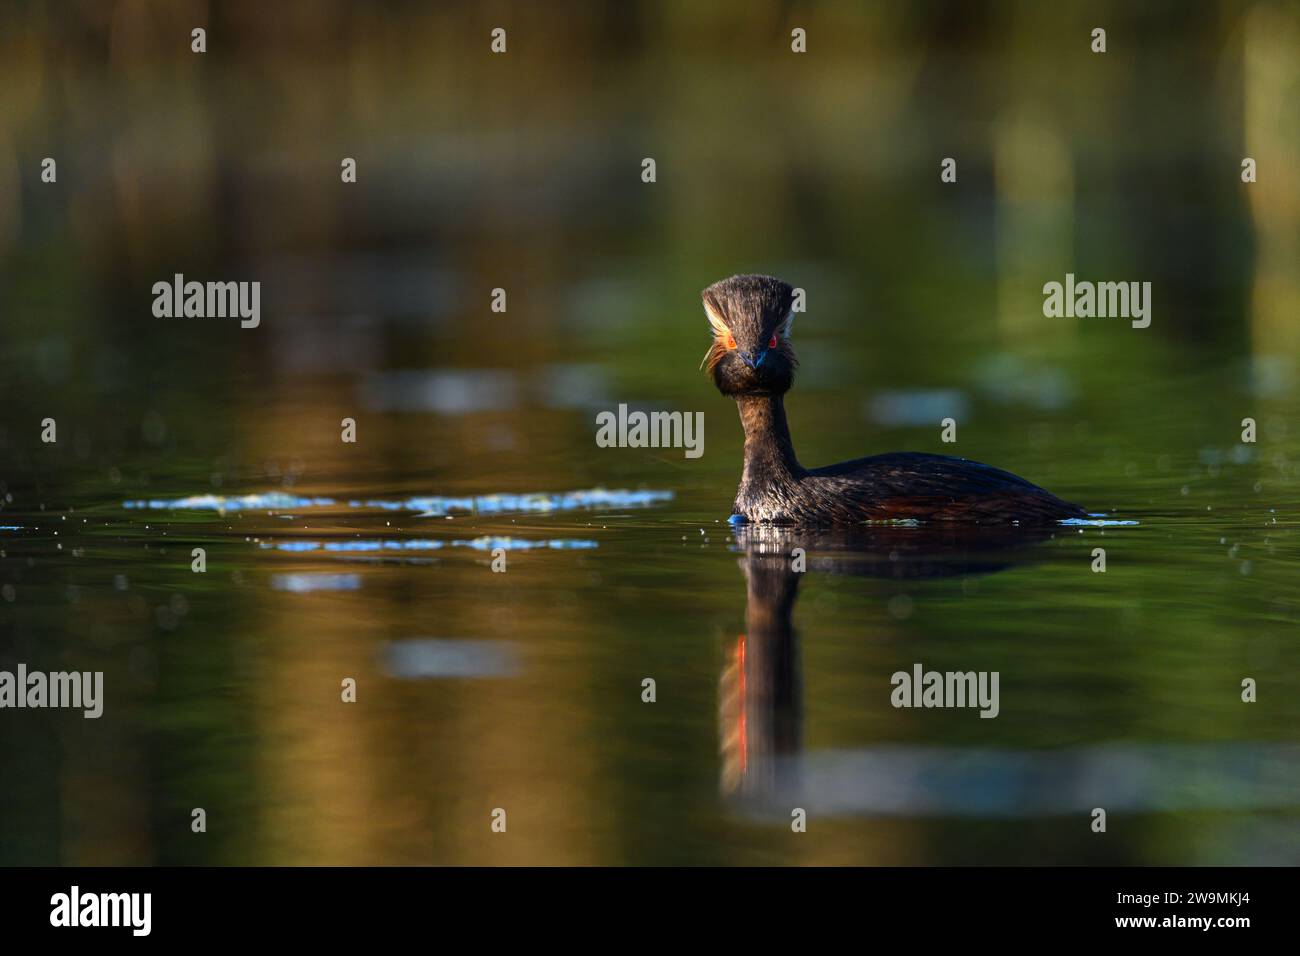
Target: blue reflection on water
(439, 657)
(485, 543)
(949, 781)
(307, 583)
(426, 505)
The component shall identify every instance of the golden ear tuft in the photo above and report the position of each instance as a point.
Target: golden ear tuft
(715, 320)
(713, 356)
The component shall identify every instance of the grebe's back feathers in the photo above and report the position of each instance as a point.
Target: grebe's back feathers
(925, 487)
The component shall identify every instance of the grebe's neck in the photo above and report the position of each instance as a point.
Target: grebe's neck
(769, 453)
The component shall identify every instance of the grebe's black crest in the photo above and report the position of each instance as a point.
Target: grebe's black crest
(751, 360)
(750, 317)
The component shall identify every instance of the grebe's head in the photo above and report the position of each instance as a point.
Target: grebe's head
(750, 317)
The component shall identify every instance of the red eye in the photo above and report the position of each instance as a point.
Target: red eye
(731, 341)
(771, 343)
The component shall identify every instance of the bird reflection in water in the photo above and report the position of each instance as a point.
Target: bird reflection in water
(760, 692)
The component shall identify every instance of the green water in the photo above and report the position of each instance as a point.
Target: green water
(223, 688)
(522, 689)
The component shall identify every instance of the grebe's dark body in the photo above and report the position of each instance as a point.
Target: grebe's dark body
(751, 360)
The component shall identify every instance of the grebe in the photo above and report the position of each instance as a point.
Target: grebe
(752, 361)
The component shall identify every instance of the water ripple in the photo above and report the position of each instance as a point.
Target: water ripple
(485, 543)
(424, 505)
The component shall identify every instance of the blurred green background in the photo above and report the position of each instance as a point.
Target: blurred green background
(523, 171)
